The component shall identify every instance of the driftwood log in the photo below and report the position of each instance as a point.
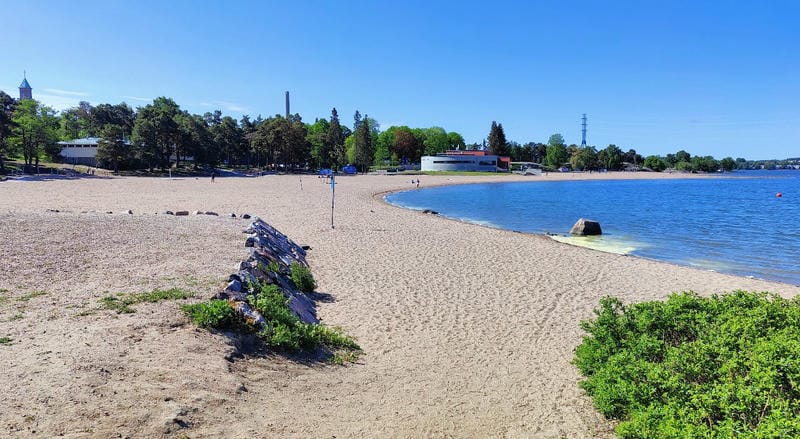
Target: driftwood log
(269, 249)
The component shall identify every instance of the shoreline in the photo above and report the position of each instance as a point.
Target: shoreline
(554, 236)
(462, 337)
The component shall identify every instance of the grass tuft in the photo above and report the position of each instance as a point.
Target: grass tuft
(31, 295)
(121, 303)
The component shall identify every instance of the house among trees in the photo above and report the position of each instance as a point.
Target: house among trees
(80, 151)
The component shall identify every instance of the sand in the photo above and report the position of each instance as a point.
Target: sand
(467, 331)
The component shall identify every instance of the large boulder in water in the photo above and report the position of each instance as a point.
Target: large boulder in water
(585, 227)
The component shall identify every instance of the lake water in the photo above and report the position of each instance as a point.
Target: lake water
(733, 225)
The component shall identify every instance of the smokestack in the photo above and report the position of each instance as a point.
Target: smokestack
(287, 104)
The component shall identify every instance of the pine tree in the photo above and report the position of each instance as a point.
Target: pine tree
(335, 139)
(364, 146)
(497, 140)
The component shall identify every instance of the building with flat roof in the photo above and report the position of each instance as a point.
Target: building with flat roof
(474, 161)
(80, 151)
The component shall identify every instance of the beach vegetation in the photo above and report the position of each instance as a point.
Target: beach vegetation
(283, 330)
(31, 295)
(302, 278)
(5, 340)
(121, 303)
(216, 314)
(691, 366)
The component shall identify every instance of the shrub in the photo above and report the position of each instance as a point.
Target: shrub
(723, 366)
(216, 314)
(284, 330)
(302, 278)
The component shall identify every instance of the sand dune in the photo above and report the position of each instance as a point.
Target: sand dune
(468, 331)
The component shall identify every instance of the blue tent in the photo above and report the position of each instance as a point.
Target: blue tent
(350, 170)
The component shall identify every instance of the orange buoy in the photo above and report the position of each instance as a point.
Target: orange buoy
(779, 195)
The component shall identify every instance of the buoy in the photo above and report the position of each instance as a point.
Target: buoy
(779, 195)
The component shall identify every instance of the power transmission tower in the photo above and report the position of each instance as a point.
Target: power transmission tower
(583, 130)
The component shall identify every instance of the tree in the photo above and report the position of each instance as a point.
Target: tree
(455, 140)
(682, 156)
(34, 132)
(538, 152)
(406, 146)
(584, 158)
(321, 150)
(155, 132)
(363, 145)
(7, 105)
(436, 141)
(655, 163)
(498, 145)
(111, 148)
(727, 164)
(335, 138)
(556, 151)
(356, 121)
(611, 158)
(632, 157)
(70, 124)
(229, 140)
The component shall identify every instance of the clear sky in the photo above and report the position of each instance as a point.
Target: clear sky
(714, 78)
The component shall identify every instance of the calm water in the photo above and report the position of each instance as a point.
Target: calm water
(731, 225)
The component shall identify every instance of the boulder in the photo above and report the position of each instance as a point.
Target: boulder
(585, 227)
(182, 213)
(212, 213)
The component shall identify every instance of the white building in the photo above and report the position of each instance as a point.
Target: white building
(465, 161)
(80, 151)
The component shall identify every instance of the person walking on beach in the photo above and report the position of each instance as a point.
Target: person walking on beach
(418, 183)
(212, 176)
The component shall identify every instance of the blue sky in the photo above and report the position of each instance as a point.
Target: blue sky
(714, 78)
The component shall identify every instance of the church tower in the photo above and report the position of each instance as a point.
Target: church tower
(25, 90)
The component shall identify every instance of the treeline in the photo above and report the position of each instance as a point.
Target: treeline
(161, 134)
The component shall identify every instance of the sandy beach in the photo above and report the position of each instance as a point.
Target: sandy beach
(467, 331)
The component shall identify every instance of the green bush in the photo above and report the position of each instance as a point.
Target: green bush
(723, 366)
(216, 314)
(302, 278)
(284, 330)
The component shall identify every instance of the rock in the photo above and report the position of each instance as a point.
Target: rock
(250, 242)
(212, 213)
(305, 247)
(130, 212)
(432, 212)
(169, 212)
(585, 227)
(197, 212)
(246, 216)
(233, 215)
(182, 213)
(53, 210)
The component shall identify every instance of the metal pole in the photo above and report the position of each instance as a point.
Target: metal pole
(333, 197)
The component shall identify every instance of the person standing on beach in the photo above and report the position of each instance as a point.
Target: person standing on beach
(212, 176)
(418, 183)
